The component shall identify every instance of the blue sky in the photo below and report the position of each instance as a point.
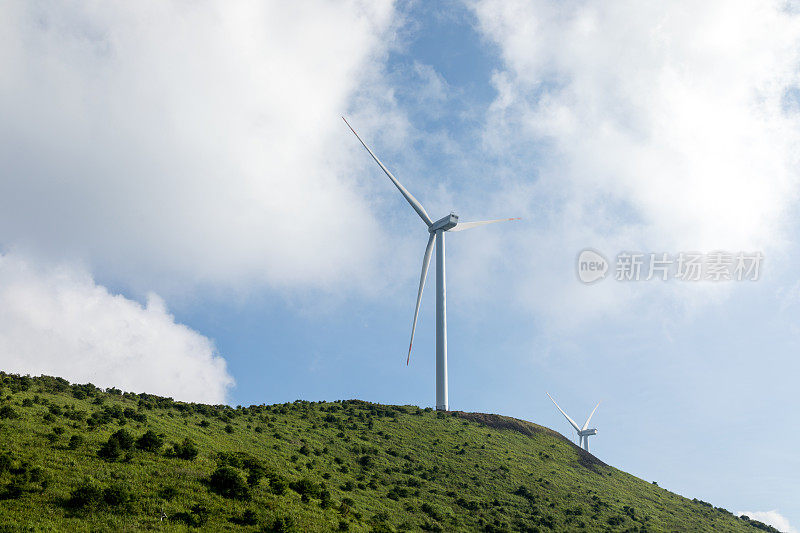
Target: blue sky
(183, 212)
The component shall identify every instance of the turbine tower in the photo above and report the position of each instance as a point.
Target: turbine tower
(436, 230)
(583, 432)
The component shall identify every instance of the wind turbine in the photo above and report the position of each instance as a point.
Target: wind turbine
(583, 432)
(436, 230)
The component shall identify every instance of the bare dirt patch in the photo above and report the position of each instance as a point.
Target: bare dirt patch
(501, 422)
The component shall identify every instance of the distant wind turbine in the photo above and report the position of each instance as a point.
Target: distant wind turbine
(583, 432)
(436, 230)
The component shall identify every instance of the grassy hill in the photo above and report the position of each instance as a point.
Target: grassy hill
(77, 458)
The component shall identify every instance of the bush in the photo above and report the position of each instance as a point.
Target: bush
(277, 485)
(86, 494)
(13, 490)
(7, 412)
(185, 450)
(134, 415)
(197, 516)
(248, 518)
(168, 493)
(229, 429)
(305, 488)
(75, 442)
(229, 483)
(325, 498)
(110, 450)
(116, 495)
(5, 462)
(149, 441)
(124, 437)
(282, 524)
(431, 511)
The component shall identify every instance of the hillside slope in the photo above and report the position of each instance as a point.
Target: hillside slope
(74, 457)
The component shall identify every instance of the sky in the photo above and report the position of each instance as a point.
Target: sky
(183, 212)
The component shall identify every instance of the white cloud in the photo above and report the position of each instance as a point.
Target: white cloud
(59, 322)
(189, 142)
(772, 518)
(656, 127)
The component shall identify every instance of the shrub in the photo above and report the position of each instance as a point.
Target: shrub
(248, 518)
(197, 516)
(124, 438)
(305, 488)
(110, 450)
(325, 498)
(7, 412)
(117, 494)
(254, 474)
(431, 511)
(149, 441)
(134, 415)
(229, 483)
(282, 524)
(75, 442)
(277, 485)
(14, 489)
(168, 493)
(614, 520)
(229, 429)
(185, 450)
(5, 462)
(86, 494)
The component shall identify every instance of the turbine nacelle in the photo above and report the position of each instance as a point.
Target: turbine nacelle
(444, 223)
(587, 432)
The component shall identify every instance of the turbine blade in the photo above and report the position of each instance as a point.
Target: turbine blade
(408, 196)
(461, 226)
(586, 425)
(571, 421)
(426, 260)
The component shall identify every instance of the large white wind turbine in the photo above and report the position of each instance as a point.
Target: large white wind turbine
(583, 432)
(436, 231)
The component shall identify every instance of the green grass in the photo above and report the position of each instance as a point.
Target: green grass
(348, 465)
